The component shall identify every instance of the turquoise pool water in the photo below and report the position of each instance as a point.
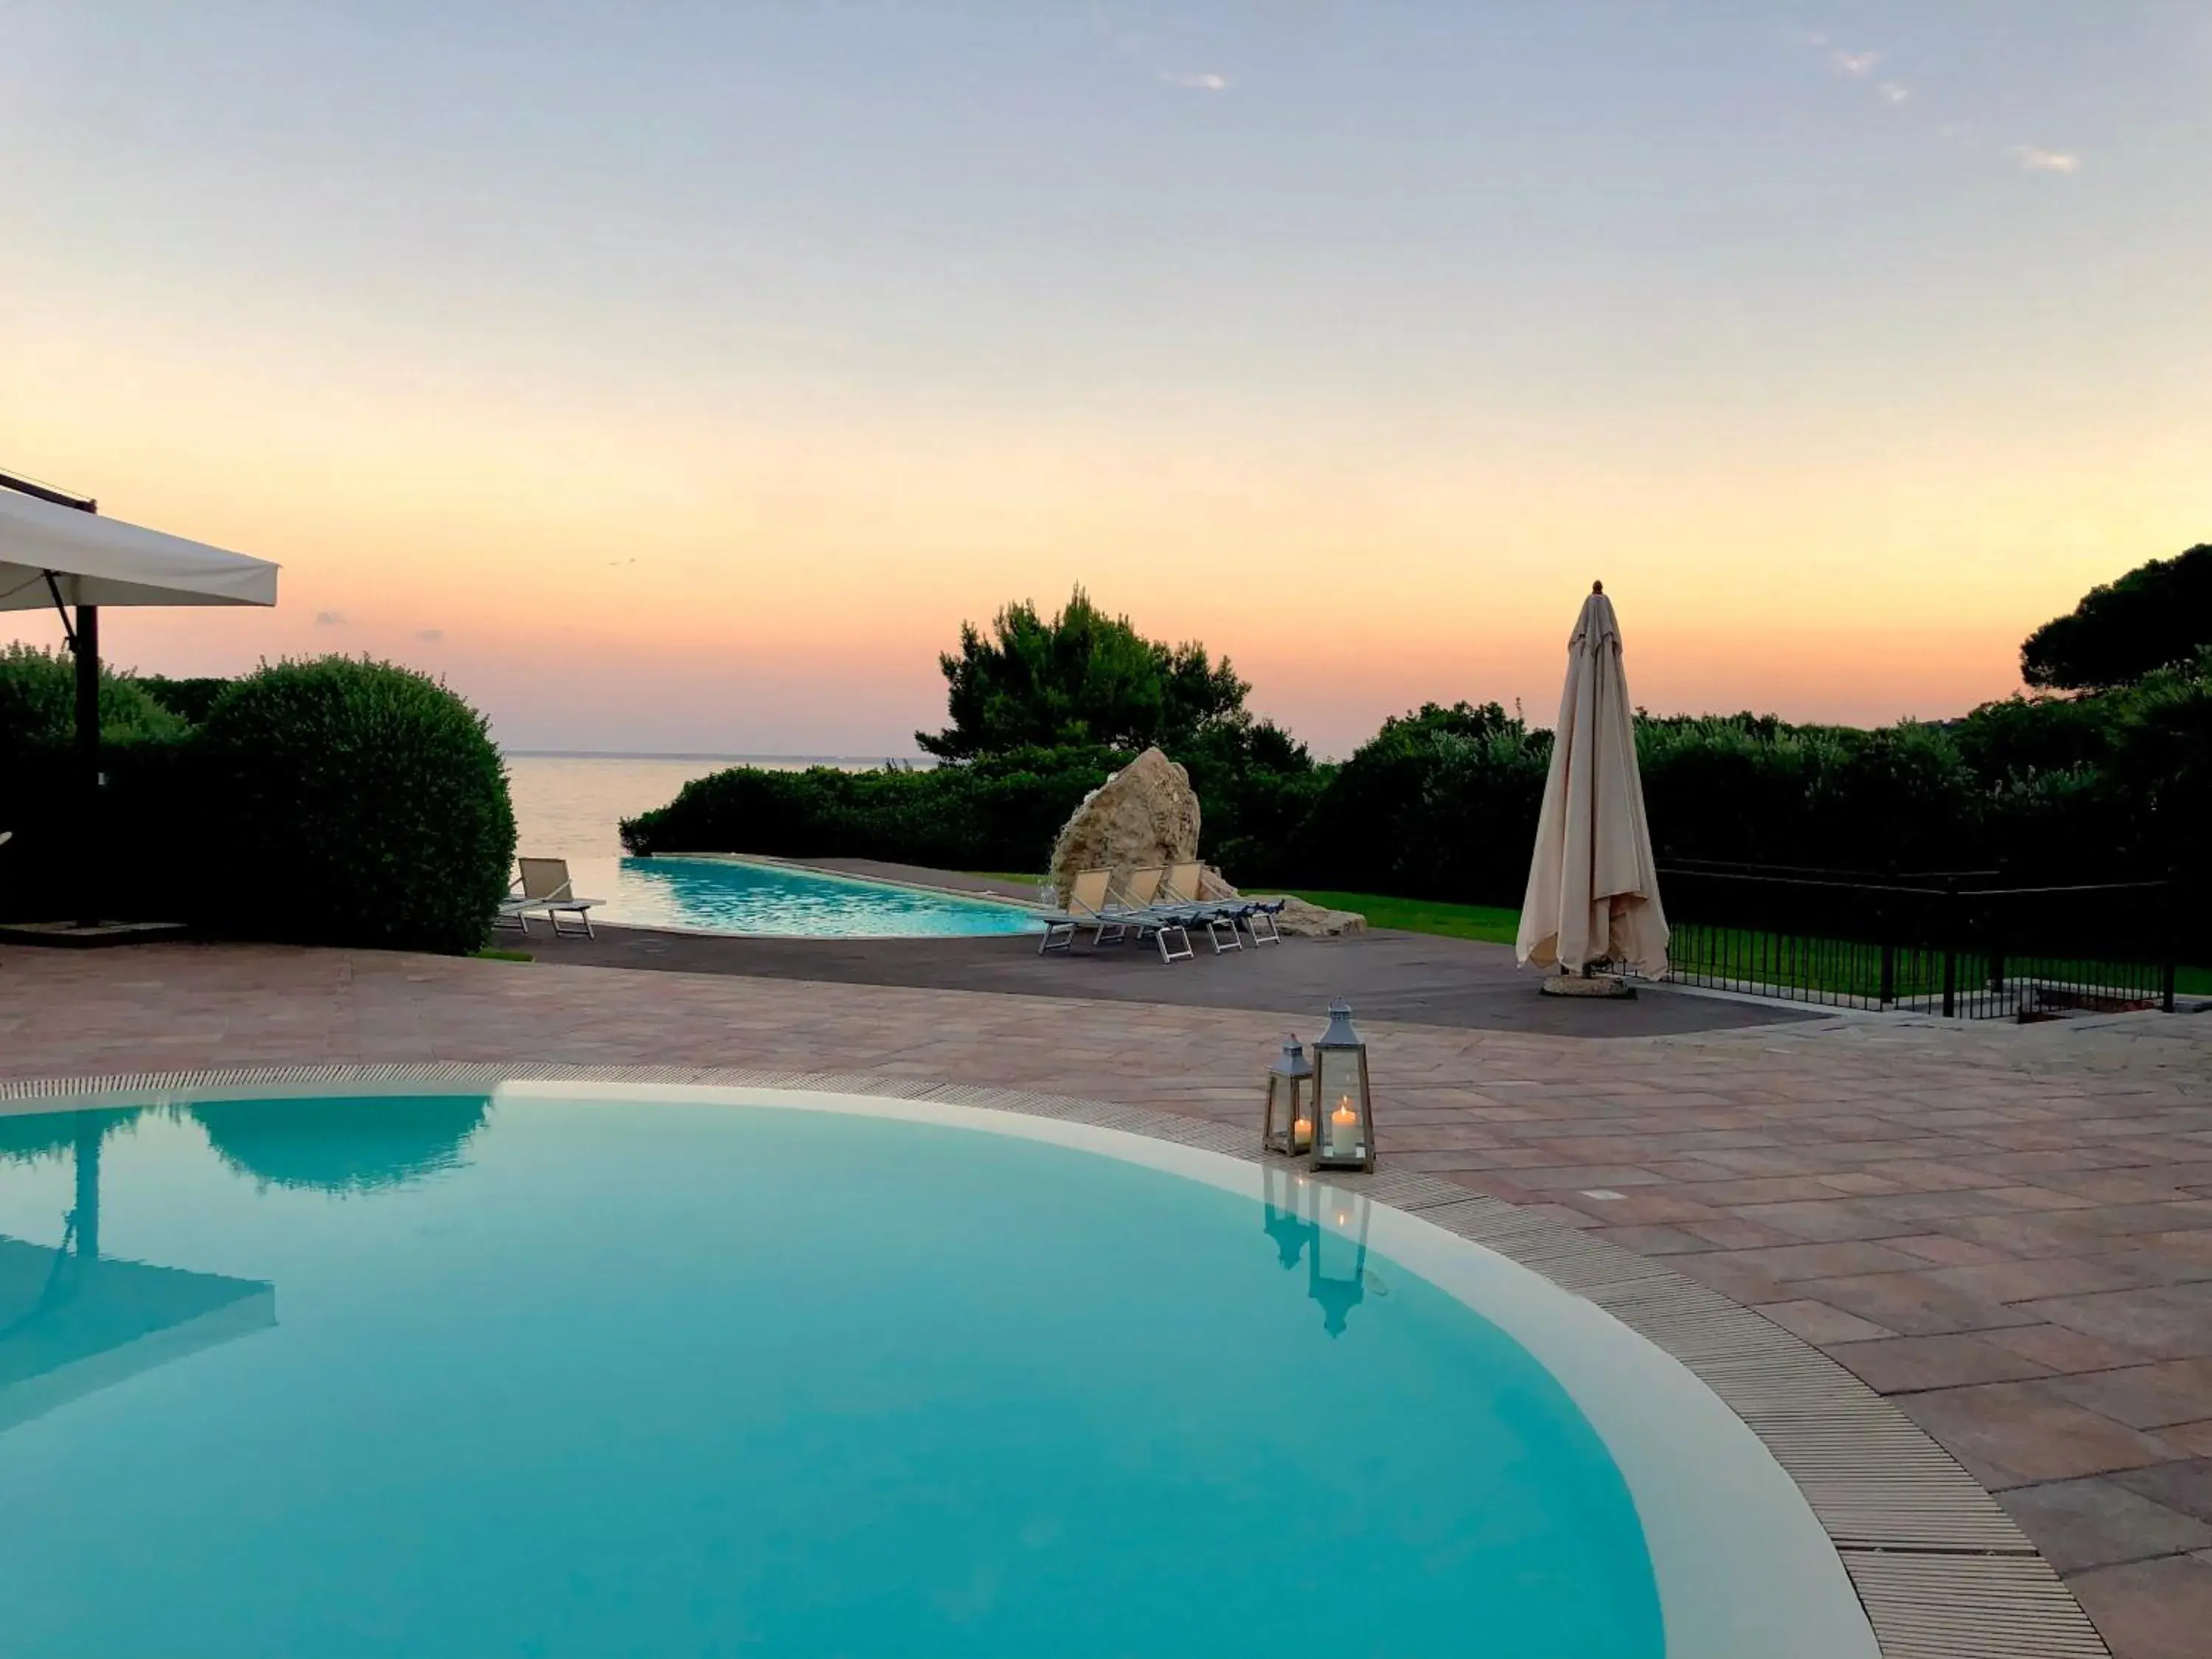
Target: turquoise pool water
(448, 1376)
(729, 897)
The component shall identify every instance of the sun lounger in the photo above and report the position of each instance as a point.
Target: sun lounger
(1084, 905)
(1112, 914)
(1185, 886)
(1139, 901)
(543, 885)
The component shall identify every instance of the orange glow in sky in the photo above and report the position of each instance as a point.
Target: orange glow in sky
(717, 453)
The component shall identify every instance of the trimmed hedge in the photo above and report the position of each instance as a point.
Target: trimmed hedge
(327, 802)
(359, 803)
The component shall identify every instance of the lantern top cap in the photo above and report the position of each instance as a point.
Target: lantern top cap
(1341, 1033)
(1293, 1062)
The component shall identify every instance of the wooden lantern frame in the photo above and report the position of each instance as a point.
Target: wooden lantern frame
(1337, 1049)
(1290, 1103)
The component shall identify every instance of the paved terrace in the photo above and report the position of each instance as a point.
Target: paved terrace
(2006, 1229)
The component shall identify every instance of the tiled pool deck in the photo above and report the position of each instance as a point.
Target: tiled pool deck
(2006, 1231)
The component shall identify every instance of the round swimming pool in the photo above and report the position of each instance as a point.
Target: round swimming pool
(579, 1370)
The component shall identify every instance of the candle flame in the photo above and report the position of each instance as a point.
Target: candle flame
(1344, 1114)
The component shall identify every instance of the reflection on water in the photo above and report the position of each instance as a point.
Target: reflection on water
(29, 1138)
(1327, 1227)
(343, 1145)
(73, 1320)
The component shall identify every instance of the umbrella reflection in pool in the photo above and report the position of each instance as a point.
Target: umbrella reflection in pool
(73, 1320)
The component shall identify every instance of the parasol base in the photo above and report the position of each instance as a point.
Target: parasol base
(1585, 985)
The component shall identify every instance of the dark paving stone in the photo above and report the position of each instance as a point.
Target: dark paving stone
(1413, 979)
(2100, 1523)
(2145, 1397)
(2159, 1609)
(2016, 1434)
(2186, 1486)
(1898, 1365)
(2173, 1323)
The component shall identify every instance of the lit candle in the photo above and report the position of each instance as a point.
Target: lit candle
(1301, 1133)
(1344, 1128)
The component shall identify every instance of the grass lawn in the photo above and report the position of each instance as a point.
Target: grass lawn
(1496, 925)
(1490, 923)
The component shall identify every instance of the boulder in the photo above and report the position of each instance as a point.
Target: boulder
(1299, 920)
(1145, 814)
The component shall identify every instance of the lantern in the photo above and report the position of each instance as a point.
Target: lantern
(1336, 1273)
(1343, 1104)
(1288, 1127)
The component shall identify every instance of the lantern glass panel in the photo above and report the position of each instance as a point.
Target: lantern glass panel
(1289, 1117)
(1340, 1106)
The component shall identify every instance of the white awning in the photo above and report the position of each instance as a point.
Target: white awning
(94, 560)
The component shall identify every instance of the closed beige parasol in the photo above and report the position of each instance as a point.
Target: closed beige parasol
(1593, 888)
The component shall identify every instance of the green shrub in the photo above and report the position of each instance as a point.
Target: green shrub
(999, 813)
(38, 704)
(188, 699)
(355, 803)
(41, 784)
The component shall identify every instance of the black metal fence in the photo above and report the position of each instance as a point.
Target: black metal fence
(1958, 943)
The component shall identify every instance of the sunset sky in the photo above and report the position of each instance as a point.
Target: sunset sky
(679, 376)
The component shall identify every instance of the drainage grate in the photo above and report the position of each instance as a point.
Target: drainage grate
(1971, 1608)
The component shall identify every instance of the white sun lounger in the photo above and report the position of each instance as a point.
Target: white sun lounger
(543, 885)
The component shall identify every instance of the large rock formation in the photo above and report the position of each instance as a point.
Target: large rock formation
(1145, 814)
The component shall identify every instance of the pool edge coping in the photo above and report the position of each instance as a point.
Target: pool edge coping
(1939, 1566)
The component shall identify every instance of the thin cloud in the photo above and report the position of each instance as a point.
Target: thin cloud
(1896, 91)
(430, 635)
(1194, 81)
(2046, 161)
(330, 619)
(1859, 64)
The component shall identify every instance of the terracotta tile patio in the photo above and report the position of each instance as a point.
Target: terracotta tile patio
(2007, 1230)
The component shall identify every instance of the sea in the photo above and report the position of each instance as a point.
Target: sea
(568, 806)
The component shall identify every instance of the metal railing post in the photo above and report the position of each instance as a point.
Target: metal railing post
(2170, 935)
(1950, 947)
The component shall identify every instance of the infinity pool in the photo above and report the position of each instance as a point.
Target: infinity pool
(573, 1371)
(732, 896)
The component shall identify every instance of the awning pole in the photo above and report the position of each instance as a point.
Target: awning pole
(86, 1215)
(86, 644)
